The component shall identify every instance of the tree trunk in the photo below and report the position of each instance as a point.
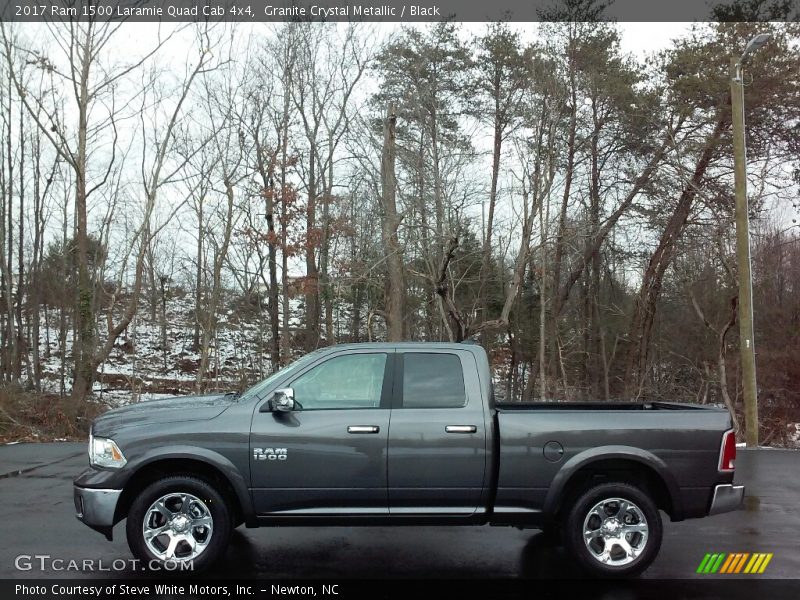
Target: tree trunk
(326, 288)
(438, 192)
(163, 319)
(486, 258)
(267, 172)
(11, 342)
(151, 283)
(593, 288)
(198, 295)
(312, 273)
(22, 341)
(645, 304)
(272, 303)
(210, 321)
(454, 323)
(35, 280)
(557, 303)
(286, 338)
(357, 289)
(395, 288)
(84, 313)
(722, 348)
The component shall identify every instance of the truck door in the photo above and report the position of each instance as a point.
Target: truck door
(328, 456)
(437, 434)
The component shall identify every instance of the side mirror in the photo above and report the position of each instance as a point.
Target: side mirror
(282, 400)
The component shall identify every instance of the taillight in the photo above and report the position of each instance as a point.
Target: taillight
(727, 453)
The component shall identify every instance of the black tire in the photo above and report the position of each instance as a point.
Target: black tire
(589, 557)
(212, 500)
(551, 534)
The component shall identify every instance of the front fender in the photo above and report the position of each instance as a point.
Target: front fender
(599, 453)
(99, 478)
(214, 459)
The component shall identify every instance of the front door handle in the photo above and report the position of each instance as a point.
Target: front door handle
(363, 429)
(461, 429)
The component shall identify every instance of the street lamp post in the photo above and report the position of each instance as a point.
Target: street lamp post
(746, 336)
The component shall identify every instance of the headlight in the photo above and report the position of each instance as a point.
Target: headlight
(103, 452)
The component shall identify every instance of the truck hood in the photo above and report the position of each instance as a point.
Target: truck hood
(179, 408)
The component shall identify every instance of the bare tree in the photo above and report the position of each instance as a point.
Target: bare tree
(93, 86)
(224, 104)
(502, 82)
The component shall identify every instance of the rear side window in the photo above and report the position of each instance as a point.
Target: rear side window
(433, 381)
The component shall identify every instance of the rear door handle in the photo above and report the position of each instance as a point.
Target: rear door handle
(363, 429)
(461, 429)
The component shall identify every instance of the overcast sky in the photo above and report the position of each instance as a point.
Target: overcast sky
(637, 37)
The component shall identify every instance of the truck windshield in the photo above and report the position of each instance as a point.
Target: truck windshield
(261, 386)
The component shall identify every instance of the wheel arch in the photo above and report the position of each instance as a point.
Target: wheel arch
(197, 462)
(614, 463)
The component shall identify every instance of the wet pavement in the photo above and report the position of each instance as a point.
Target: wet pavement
(38, 520)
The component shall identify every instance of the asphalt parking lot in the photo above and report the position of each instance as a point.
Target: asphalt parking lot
(38, 520)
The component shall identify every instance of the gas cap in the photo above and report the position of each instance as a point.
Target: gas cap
(553, 451)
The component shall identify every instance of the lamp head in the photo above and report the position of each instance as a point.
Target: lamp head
(753, 45)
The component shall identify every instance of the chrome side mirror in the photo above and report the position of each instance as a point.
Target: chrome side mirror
(282, 400)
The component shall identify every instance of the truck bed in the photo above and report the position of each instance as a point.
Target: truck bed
(684, 440)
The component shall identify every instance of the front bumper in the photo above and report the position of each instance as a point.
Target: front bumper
(96, 508)
(726, 498)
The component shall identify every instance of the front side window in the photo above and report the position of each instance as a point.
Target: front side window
(433, 381)
(297, 365)
(349, 381)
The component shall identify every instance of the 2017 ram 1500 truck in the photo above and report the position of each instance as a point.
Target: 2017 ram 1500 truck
(399, 434)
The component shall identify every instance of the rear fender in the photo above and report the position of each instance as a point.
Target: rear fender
(587, 457)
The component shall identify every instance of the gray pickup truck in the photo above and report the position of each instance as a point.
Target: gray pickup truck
(401, 434)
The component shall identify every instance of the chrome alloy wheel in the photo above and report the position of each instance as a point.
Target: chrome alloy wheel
(177, 527)
(615, 531)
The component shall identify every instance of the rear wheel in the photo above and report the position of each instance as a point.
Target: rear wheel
(179, 519)
(551, 534)
(613, 530)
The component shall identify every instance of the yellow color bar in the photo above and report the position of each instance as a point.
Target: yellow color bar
(753, 567)
(752, 563)
(765, 563)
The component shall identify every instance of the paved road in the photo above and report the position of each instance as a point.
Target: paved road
(38, 519)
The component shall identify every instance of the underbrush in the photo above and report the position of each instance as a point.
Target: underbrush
(40, 417)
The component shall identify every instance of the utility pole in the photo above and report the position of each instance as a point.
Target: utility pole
(746, 335)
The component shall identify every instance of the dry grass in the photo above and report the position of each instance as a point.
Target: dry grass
(33, 417)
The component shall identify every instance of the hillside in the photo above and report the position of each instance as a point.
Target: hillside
(139, 368)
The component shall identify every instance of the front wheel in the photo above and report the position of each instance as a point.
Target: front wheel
(614, 530)
(178, 520)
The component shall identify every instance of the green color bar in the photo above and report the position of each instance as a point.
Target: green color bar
(702, 566)
(718, 563)
(710, 564)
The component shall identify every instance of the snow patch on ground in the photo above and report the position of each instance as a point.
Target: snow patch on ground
(794, 435)
(139, 368)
